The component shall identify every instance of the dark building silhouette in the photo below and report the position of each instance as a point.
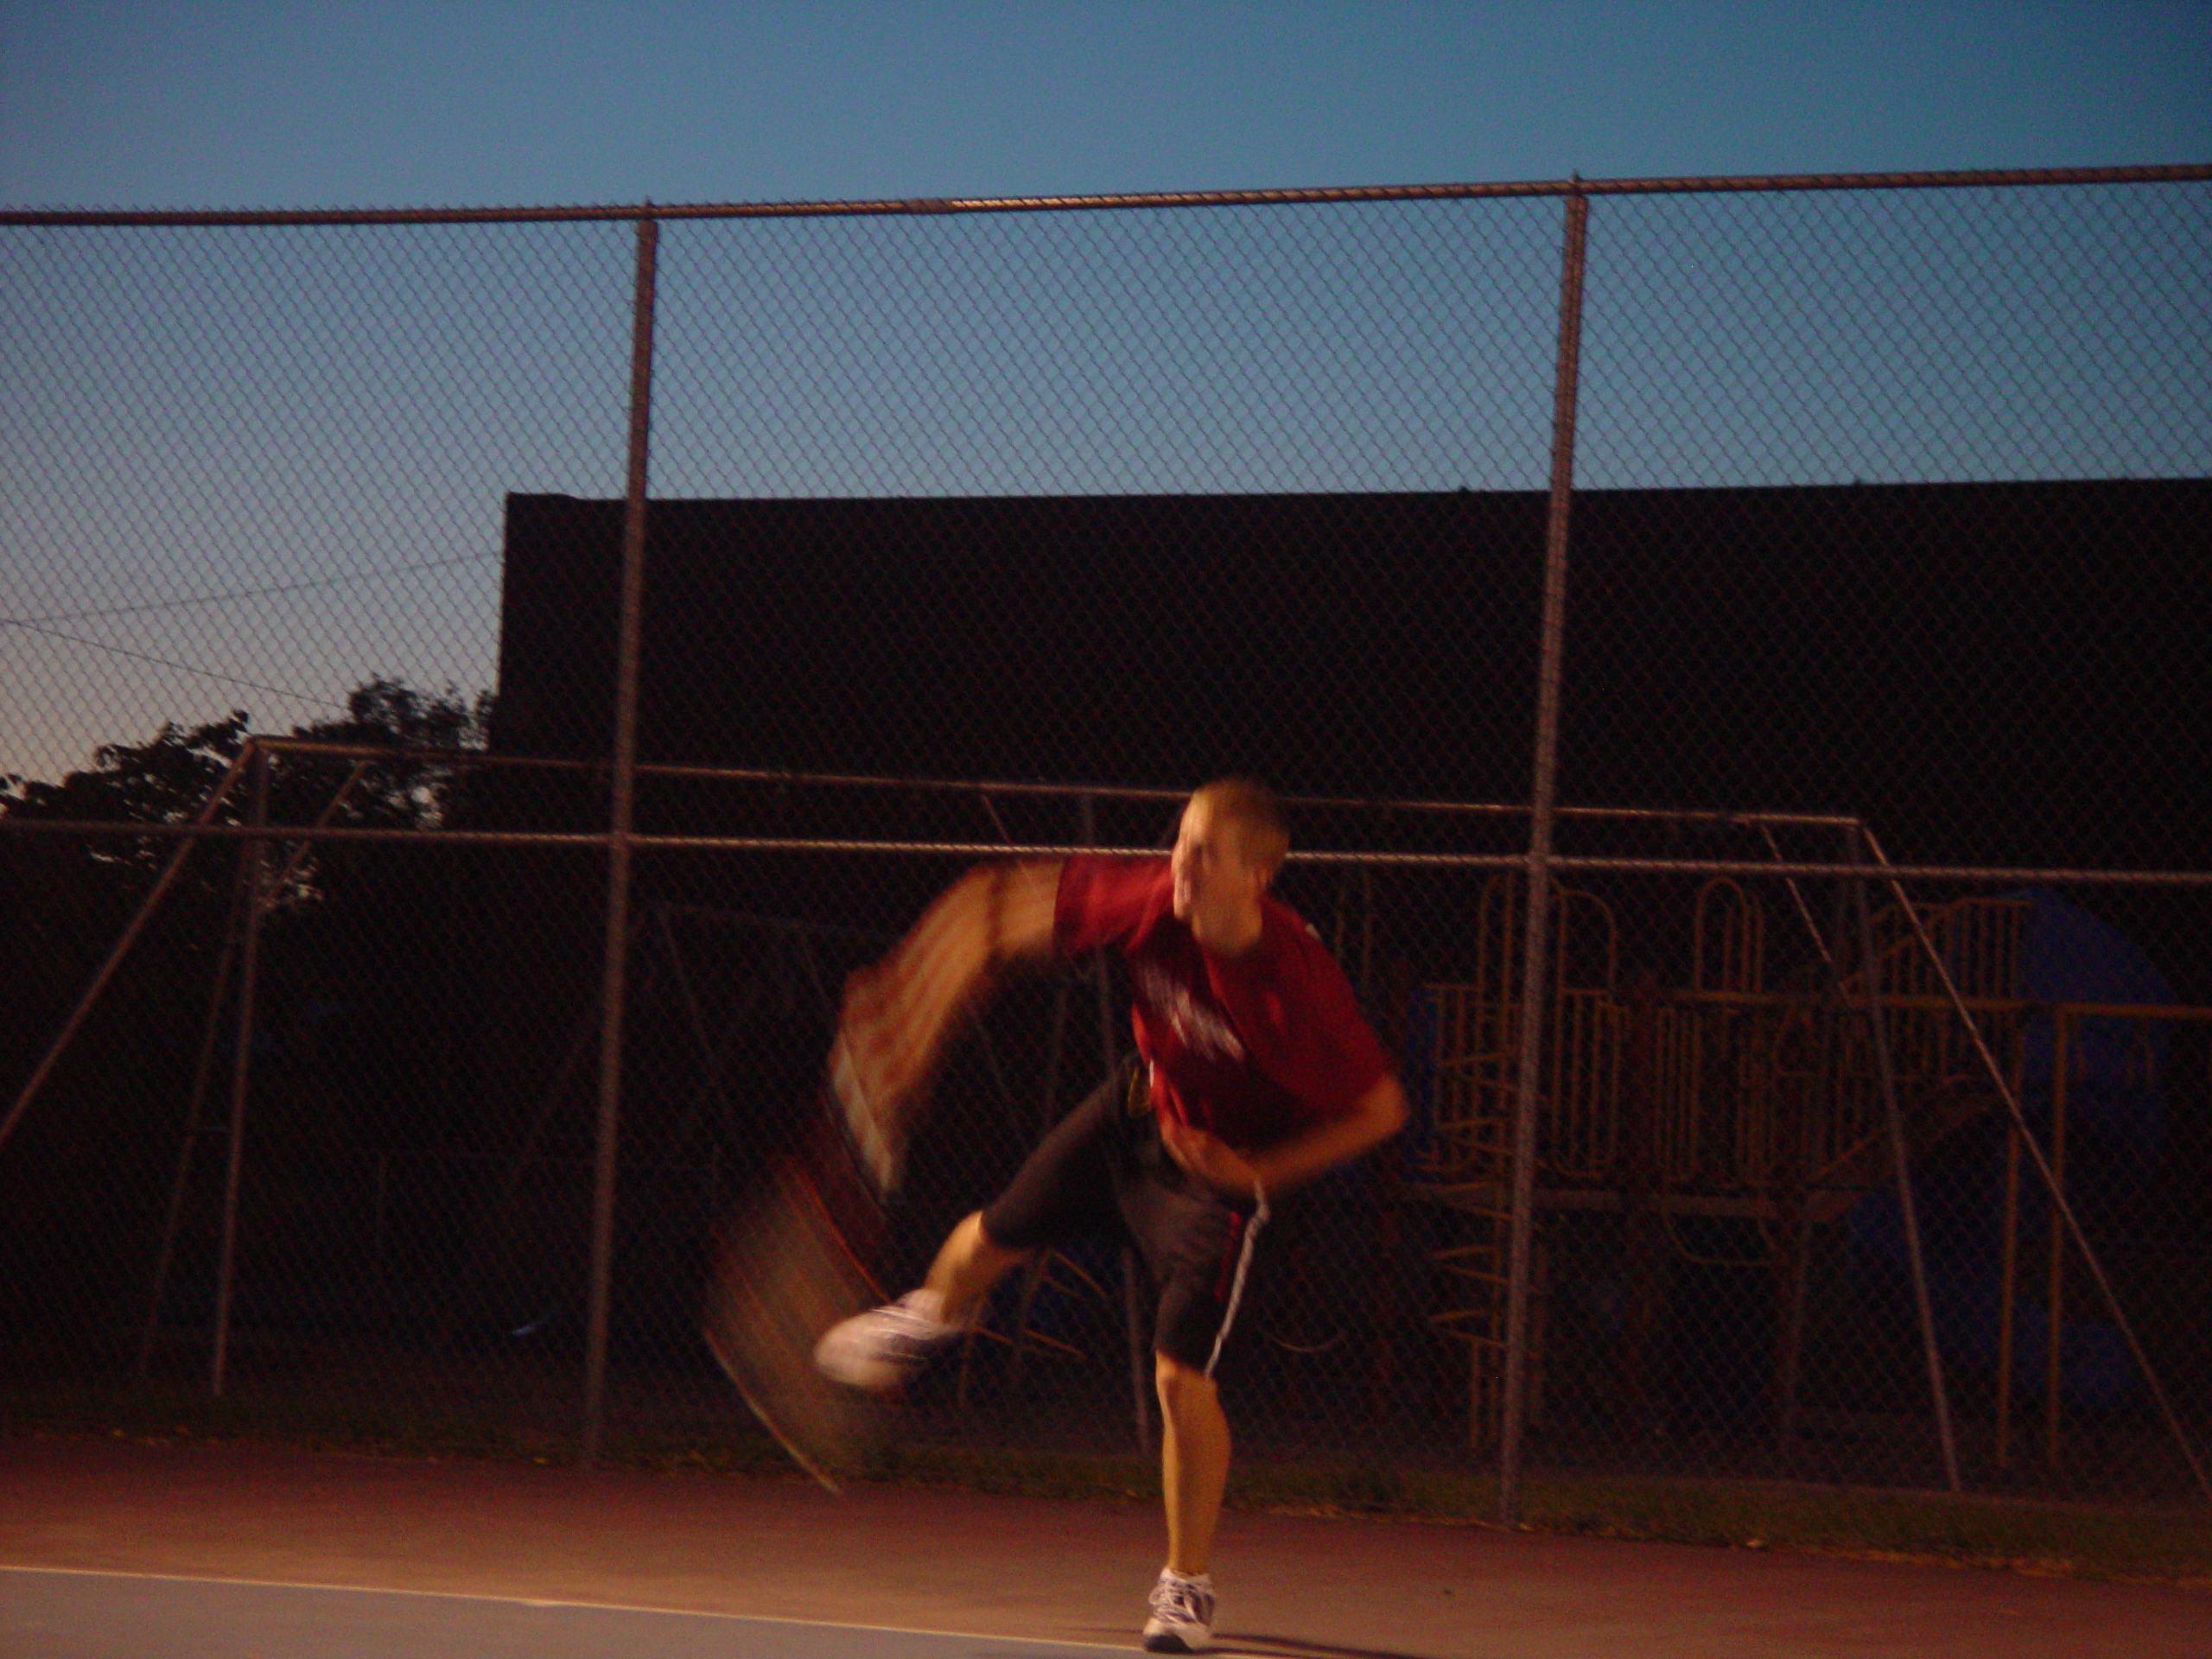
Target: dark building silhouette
(1994, 673)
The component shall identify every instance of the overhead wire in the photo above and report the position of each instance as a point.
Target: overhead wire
(35, 624)
(181, 668)
(247, 593)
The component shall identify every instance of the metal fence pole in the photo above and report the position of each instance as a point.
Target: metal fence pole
(1132, 1317)
(1877, 1026)
(257, 860)
(203, 1072)
(1542, 801)
(2054, 1372)
(613, 982)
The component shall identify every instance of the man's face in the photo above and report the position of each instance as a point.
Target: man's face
(1217, 887)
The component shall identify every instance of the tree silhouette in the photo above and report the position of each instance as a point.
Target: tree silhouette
(361, 999)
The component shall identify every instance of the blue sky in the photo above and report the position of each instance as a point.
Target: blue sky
(253, 469)
(383, 103)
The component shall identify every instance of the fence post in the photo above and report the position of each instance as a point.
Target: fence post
(1543, 800)
(1133, 1316)
(257, 863)
(203, 1072)
(1878, 1025)
(613, 982)
(2054, 1373)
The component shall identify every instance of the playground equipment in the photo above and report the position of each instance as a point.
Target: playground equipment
(1742, 1093)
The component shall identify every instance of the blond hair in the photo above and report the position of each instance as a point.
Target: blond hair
(1251, 806)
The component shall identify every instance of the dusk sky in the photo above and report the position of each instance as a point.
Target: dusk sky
(252, 469)
(388, 103)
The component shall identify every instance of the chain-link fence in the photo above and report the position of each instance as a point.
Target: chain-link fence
(1810, 1067)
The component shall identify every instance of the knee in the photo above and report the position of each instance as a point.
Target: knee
(968, 1238)
(1180, 1387)
(975, 1247)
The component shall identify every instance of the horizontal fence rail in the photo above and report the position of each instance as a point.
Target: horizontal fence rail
(1322, 196)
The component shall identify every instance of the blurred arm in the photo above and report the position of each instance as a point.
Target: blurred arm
(900, 1015)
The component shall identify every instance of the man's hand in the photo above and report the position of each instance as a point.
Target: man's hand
(1374, 1116)
(1211, 1160)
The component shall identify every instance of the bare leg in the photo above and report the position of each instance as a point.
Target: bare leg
(1193, 1461)
(968, 1264)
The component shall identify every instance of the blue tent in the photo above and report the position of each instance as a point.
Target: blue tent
(2115, 1111)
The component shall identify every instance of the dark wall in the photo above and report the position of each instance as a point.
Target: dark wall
(1994, 673)
(1375, 643)
(2003, 674)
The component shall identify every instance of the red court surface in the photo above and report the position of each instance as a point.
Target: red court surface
(163, 1544)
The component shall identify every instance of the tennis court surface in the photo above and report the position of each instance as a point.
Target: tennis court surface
(108, 1547)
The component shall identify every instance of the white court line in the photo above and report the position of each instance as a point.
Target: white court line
(532, 1601)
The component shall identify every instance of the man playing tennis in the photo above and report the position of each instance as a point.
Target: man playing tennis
(1255, 1071)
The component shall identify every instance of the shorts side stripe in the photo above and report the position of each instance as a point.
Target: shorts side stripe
(1243, 1265)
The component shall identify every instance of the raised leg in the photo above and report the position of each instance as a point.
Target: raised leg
(968, 1264)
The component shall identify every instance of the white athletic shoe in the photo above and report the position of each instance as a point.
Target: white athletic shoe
(880, 1348)
(1182, 1614)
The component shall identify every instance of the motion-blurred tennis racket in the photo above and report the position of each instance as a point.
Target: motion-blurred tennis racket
(790, 1262)
(796, 1259)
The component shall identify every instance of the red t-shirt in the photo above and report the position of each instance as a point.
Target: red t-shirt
(1252, 1048)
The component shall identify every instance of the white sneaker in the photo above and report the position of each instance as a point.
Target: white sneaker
(1182, 1614)
(880, 1348)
